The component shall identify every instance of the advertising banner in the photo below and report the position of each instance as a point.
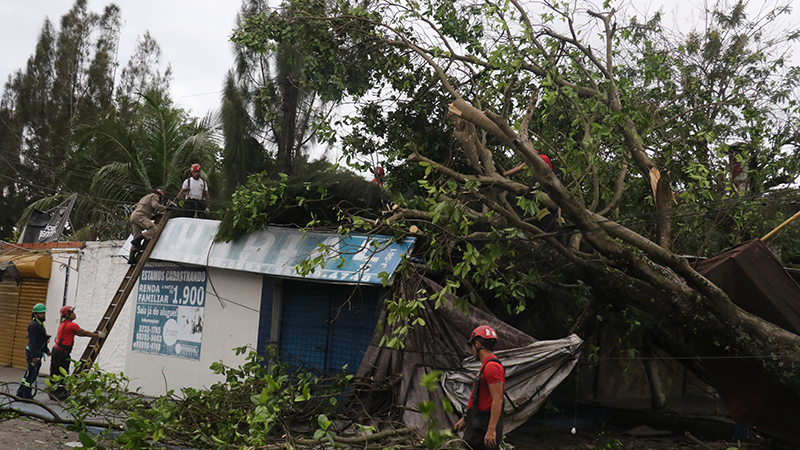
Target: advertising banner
(169, 312)
(348, 259)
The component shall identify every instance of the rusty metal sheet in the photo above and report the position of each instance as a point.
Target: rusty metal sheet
(756, 282)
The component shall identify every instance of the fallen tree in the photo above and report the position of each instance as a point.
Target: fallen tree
(599, 93)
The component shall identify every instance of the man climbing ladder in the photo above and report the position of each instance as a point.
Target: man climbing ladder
(142, 228)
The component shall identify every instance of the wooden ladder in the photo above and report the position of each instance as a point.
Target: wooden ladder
(120, 297)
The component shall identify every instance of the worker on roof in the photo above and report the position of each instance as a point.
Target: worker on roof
(196, 191)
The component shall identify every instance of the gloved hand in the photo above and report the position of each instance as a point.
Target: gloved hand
(208, 210)
(102, 334)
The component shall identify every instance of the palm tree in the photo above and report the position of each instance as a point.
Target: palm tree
(155, 151)
(121, 159)
(268, 115)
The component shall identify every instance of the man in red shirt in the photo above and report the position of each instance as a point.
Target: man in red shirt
(63, 346)
(483, 424)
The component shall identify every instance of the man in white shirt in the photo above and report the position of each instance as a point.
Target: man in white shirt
(196, 191)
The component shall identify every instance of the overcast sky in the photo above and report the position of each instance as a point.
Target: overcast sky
(193, 36)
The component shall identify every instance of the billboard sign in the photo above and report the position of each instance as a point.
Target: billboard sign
(170, 303)
(278, 251)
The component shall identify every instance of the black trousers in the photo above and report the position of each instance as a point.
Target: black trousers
(28, 385)
(195, 208)
(475, 427)
(59, 360)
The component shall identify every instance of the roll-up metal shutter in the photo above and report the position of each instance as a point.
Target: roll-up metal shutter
(31, 292)
(9, 303)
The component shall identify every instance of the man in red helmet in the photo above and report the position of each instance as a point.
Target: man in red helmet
(379, 174)
(196, 191)
(65, 338)
(483, 423)
(142, 227)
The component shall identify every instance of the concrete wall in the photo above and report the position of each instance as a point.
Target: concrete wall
(234, 325)
(95, 273)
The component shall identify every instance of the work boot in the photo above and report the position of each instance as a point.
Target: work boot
(59, 394)
(138, 243)
(133, 259)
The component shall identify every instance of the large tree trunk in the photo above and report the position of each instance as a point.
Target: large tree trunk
(286, 137)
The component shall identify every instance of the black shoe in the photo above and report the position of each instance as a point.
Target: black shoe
(138, 243)
(59, 394)
(133, 259)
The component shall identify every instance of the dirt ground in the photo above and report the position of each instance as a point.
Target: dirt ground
(29, 434)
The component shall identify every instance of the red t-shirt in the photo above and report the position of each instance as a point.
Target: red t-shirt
(493, 372)
(66, 333)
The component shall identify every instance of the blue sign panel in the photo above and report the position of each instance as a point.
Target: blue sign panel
(279, 251)
(169, 312)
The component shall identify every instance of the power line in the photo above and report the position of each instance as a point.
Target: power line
(638, 219)
(198, 95)
(777, 199)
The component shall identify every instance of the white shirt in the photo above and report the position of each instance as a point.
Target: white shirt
(195, 188)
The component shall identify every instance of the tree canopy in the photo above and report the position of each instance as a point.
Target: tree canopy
(73, 124)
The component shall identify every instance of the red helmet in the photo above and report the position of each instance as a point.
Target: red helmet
(65, 310)
(484, 331)
(195, 167)
(159, 192)
(379, 171)
(547, 160)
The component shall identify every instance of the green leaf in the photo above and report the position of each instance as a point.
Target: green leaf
(430, 380)
(86, 440)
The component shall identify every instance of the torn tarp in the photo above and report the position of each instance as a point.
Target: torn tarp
(532, 372)
(533, 367)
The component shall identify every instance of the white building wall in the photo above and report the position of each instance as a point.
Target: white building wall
(95, 273)
(235, 325)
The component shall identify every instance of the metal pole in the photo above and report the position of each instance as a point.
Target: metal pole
(786, 222)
